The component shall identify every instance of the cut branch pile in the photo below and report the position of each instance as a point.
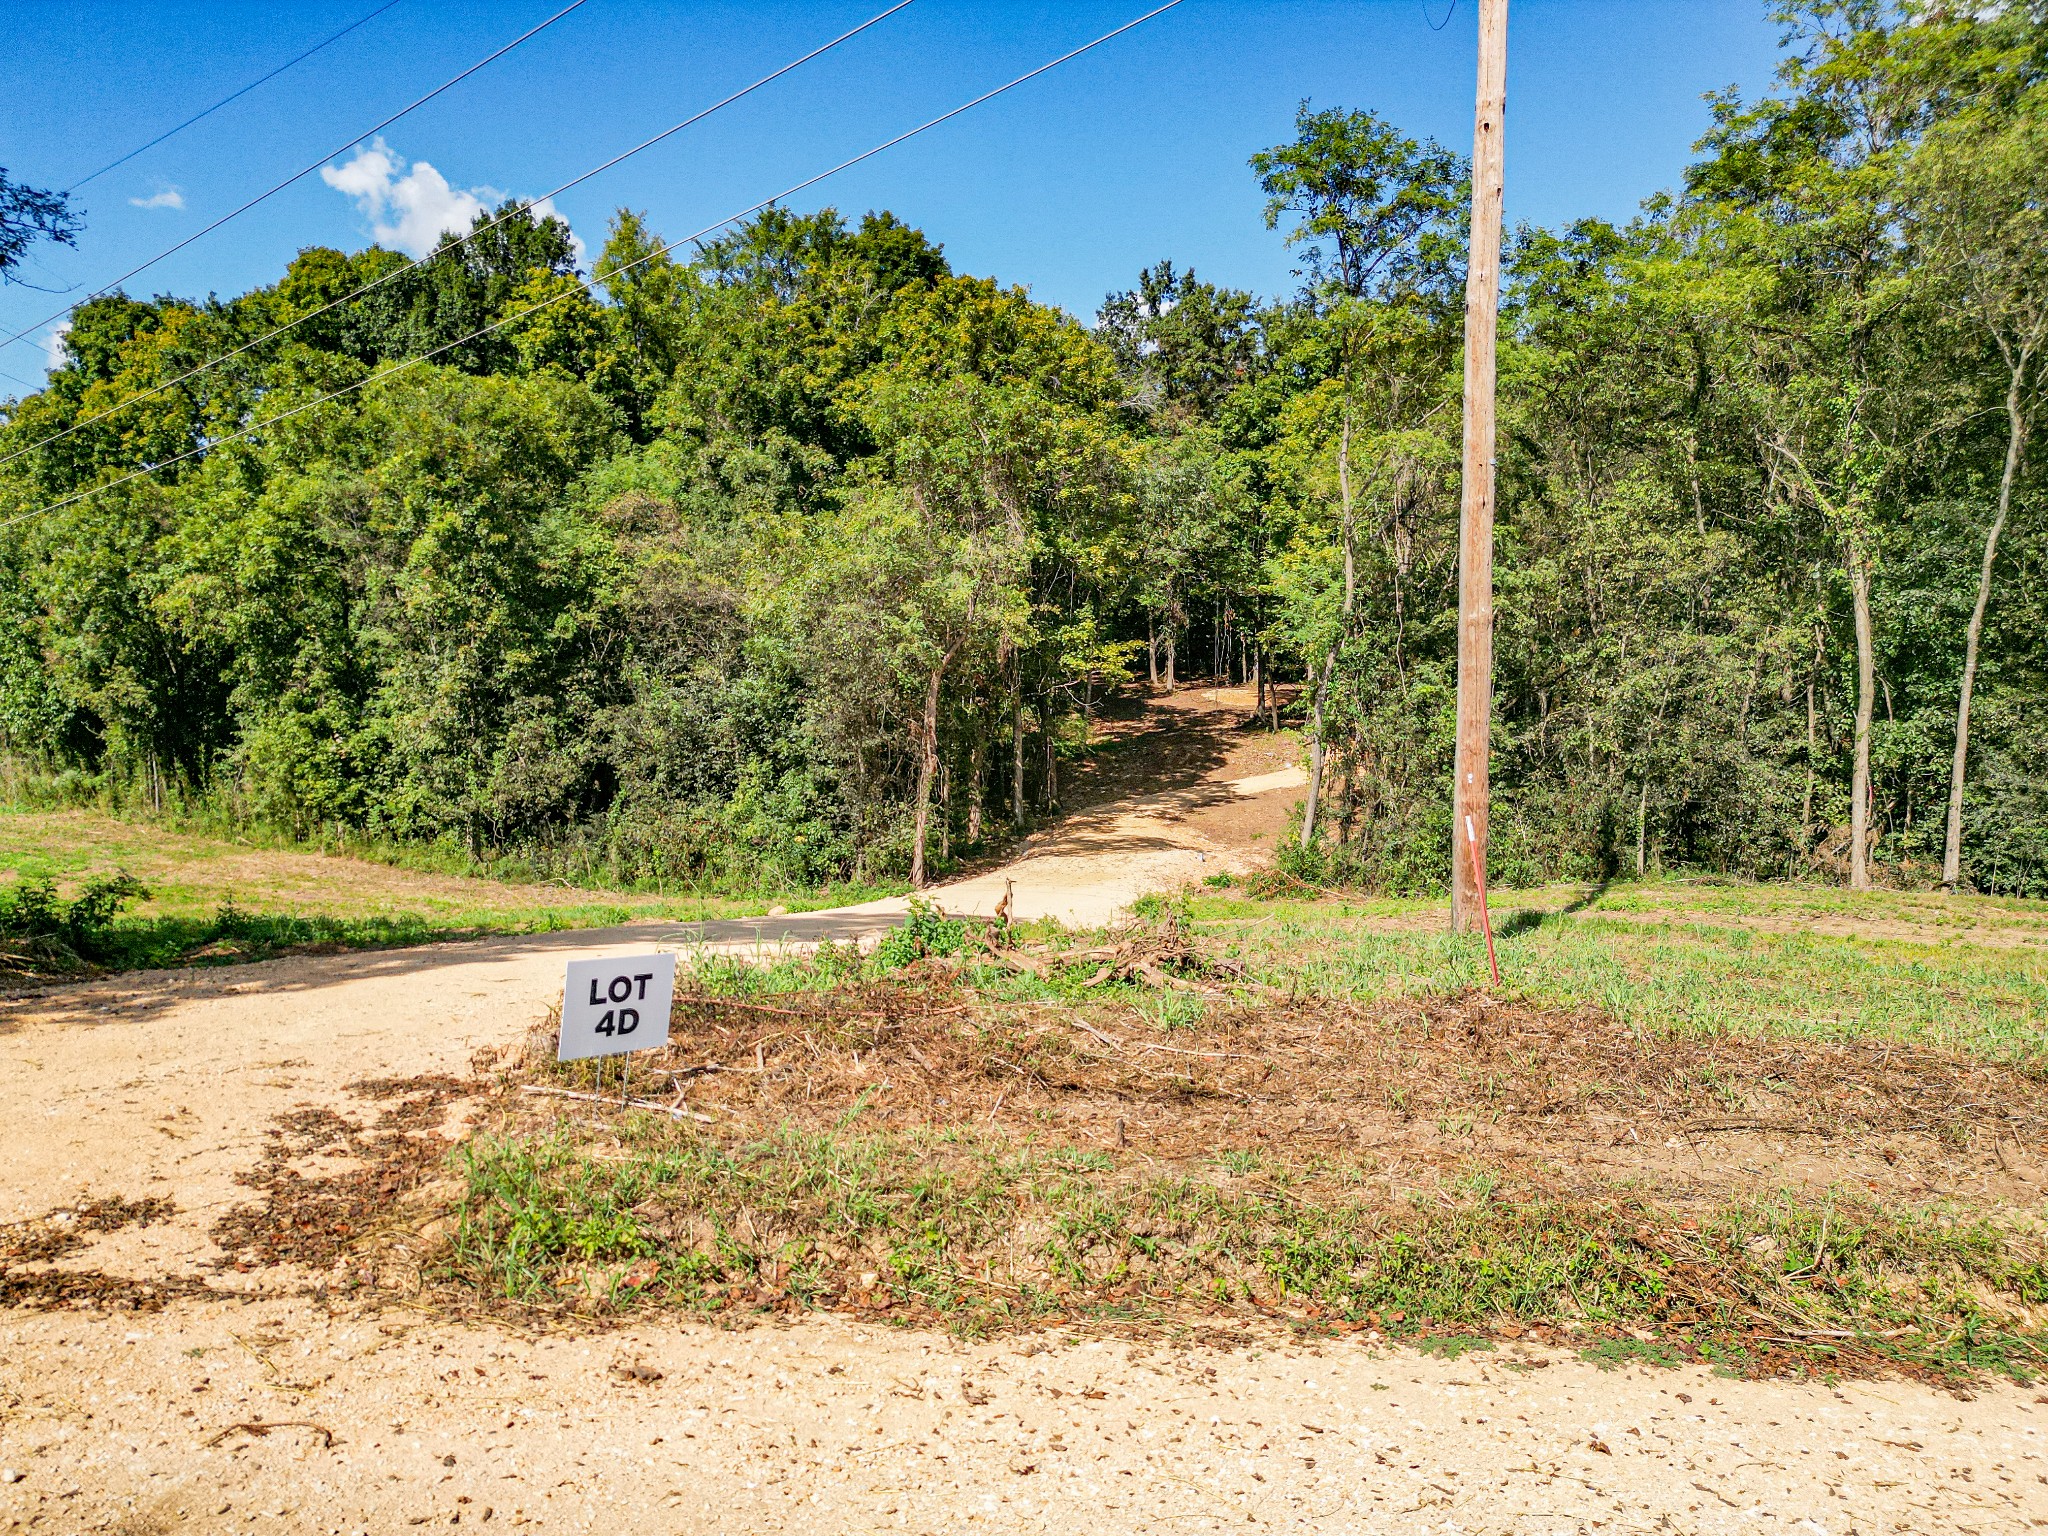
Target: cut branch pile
(1158, 957)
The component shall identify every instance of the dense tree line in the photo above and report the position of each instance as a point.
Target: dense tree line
(805, 557)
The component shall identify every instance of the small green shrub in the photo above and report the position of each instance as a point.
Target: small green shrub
(32, 914)
(927, 931)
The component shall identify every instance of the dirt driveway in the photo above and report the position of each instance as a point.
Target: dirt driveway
(1183, 786)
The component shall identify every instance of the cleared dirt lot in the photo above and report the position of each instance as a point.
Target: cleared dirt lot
(146, 1420)
(219, 1355)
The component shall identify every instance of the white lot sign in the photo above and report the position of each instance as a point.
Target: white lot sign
(610, 1006)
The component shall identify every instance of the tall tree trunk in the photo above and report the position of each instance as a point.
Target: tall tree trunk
(2015, 449)
(977, 762)
(1017, 759)
(1344, 500)
(1315, 749)
(1151, 649)
(1866, 703)
(1812, 754)
(1052, 761)
(1172, 628)
(927, 770)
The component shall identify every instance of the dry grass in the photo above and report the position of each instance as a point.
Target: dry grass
(1446, 1170)
(1415, 1084)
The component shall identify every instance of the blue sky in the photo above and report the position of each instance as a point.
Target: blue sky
(1069, 185)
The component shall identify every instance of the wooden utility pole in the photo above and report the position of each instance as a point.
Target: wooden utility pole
(1475, 535)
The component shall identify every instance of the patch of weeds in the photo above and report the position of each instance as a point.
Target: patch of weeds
(1240, 1161)
(1709, 1076)
(535, 1210)
(1670, 977)
(41, 936)
(1081, 1160)
(1452, 1346)
(1612, 1354)
(982, 1232)
(1155, 908)
(1171, 1010)
(40, 932)
(829, 966)
(856, 1109)
(925, 932)
(1478, 1184)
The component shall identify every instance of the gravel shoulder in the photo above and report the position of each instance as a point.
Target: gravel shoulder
(383, 1420)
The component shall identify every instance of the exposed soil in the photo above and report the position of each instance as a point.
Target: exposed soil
(380, 1421)
(362, 1175)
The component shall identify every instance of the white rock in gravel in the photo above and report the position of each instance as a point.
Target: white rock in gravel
(11, 1476)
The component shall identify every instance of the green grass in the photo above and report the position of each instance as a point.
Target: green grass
(1702, 972)
(217, 899)
(1689, 974)
(973, 1228)
(232, 936)
(979, 1232)
(1936, 916)
(1944, 914)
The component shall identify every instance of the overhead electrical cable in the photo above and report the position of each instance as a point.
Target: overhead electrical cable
(332, 37)
(582, 285)
(482, 229)
(297, 175)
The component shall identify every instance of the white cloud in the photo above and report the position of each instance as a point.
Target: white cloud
(53, 346)
(163, 197)
(412, 206)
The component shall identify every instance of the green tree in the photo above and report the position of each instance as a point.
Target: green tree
(29, 214)
(1975, 188)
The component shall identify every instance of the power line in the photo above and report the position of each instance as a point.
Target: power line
(582, 285)
(481, 229)
(233, 96)
(296, 175)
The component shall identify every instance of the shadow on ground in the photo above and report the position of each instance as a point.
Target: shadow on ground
(144, 994)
